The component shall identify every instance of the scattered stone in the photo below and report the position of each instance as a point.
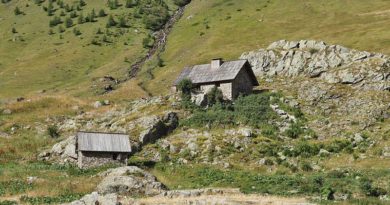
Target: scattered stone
(97, 104)
(7, 111)
(31, 180)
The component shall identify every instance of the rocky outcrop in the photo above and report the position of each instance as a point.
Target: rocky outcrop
(159, 127)
(129, 180)
(316, 59)
(63, 152)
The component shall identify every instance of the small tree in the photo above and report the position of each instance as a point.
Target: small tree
(131, 3)
(122, 22)
(148, 42)
(68, 22)
(181, 2)
(17, 11)
(14, 30)
(50, 9)
(73, 14)
(111, 22)
(76, 32)
(102, 13)
(92, 16)
(82, 3)
(80, 20)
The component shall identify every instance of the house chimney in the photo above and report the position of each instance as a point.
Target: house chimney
(216, 63)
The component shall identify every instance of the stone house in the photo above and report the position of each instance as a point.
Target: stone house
(232, 78)
(96, 149)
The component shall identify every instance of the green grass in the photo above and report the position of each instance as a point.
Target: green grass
(33, 60)
(220, 28)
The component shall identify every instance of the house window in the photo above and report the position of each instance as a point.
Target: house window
(115, 156)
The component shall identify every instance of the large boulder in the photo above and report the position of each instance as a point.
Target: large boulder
(129, 180)
(159, 128)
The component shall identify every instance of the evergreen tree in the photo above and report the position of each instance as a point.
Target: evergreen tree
(17, 11)
(102, 13)
(68, 22)
(73, 14)
(131, 3)
(122, 22)
(82, 3)
(50, 9)
(76, 32)
(80, 20)
(111, 22)
(62, 13)
(99, 31)
(92, 16)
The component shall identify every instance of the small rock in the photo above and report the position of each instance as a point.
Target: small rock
(97, 104)
(7, 112)
(358, 138)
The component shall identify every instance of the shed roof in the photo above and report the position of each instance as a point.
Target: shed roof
(200, 74)
(103, 142)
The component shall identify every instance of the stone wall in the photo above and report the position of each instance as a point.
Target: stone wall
(95, 159)
(242, 84)
(226, 89)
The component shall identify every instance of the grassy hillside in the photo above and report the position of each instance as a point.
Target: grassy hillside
(35, 55)
(226, 28)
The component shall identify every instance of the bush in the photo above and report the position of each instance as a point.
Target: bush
(7, 202)
(368, 189)
(294, 131)
(181, 2)
(254, 110)
(55, 21)
(148, 42)
(52, 131)
(111, 22)
(155, 15)
(131, 3)
(214, 96)
(102, 13)
(68, 22)
(306, 166)
(17, 11)
(185, 86)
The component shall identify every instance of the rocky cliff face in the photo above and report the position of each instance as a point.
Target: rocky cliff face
(315, 59)
(340, 88)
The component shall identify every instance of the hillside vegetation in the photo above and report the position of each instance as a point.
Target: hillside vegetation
(226, 28)
(69, 45)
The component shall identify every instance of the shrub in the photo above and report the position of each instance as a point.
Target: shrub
(68, 22)
(102, 13)
(52, 131)
(185, 86)
(154, 15)
(14, 30)
(7, 202)
(55, 21)
(61, 29)
(111, 22)
(306, 166)
(76, 32)
(294, 130)
(131, 3)
(148, 41)
(214, 96)
(369, 190)
(327, 193)
(254, 110)
(17, 11)
(181, 2)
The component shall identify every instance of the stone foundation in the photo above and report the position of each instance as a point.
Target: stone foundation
(95, 159)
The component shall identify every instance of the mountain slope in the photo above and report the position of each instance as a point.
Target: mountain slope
(219, 28)
(35, 55)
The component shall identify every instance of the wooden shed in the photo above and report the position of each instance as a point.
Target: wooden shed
(232, 77)
(95, 148)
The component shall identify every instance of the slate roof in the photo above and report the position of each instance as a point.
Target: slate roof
(200, 74)
(103, 142)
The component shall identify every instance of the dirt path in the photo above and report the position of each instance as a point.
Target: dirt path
(213, 196)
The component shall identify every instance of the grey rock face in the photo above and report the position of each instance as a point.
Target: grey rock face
(316, 59)
(130, 180)
(63, 152)
(159, 128)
